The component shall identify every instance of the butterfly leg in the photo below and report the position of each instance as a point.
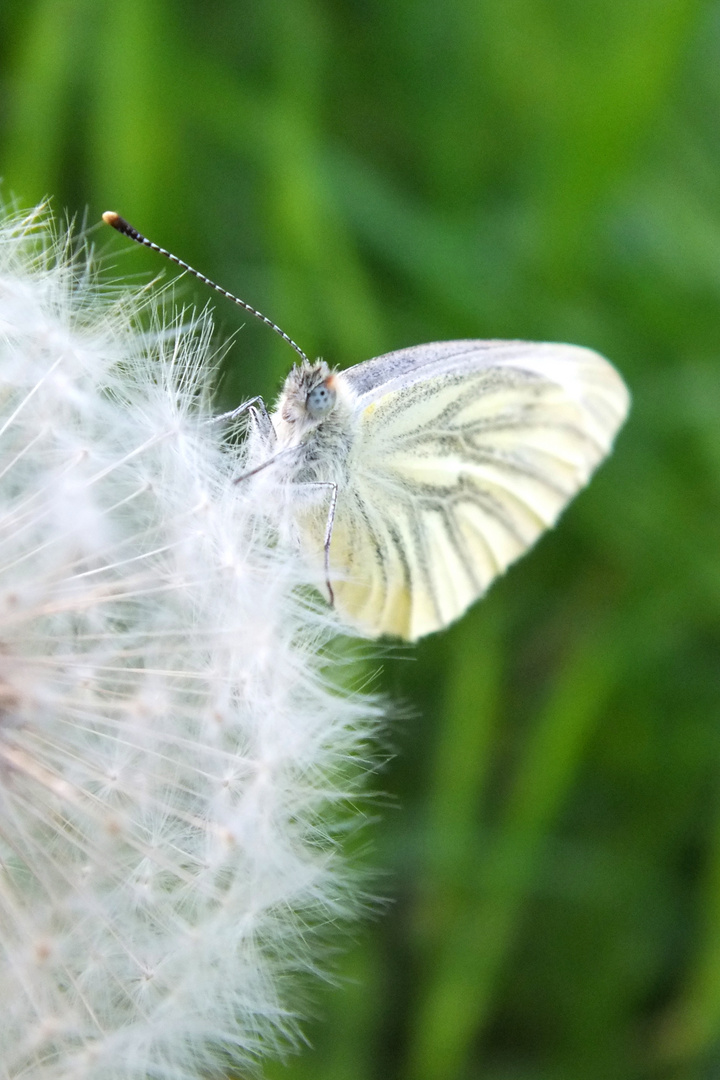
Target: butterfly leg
(328, 538)
(264, 464)
(328, 530)
(258, 411)
(260, 418)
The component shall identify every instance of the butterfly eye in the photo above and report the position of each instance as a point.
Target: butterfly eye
(320, 400)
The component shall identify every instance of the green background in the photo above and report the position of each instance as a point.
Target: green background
(379, 173)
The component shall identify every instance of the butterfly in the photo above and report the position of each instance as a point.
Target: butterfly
(416, 478)
(423, 474)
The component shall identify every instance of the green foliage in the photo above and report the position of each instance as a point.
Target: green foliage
(374, 175)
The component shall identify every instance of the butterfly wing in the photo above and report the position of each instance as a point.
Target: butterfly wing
(465, 452)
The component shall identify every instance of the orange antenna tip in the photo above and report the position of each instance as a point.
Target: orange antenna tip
(119, 223)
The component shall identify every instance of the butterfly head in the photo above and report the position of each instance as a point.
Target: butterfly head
(308, 397)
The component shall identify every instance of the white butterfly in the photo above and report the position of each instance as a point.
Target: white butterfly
(417, 477)
(421, 475)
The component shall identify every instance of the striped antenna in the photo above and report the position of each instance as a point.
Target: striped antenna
(124, 227)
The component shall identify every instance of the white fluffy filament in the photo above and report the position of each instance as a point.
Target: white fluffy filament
(170, 749)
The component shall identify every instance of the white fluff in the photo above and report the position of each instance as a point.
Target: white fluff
(170, 749)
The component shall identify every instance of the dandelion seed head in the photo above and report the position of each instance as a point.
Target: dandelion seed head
(171, 751)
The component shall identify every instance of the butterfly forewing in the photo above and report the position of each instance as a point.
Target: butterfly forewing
(464, 453)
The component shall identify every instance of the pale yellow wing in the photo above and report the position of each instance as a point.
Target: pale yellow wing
(465, 452)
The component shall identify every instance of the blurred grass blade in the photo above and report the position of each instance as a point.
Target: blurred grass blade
(457, 1002)
(45, 87)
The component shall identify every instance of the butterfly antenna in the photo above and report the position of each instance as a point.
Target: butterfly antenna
(124, 227)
